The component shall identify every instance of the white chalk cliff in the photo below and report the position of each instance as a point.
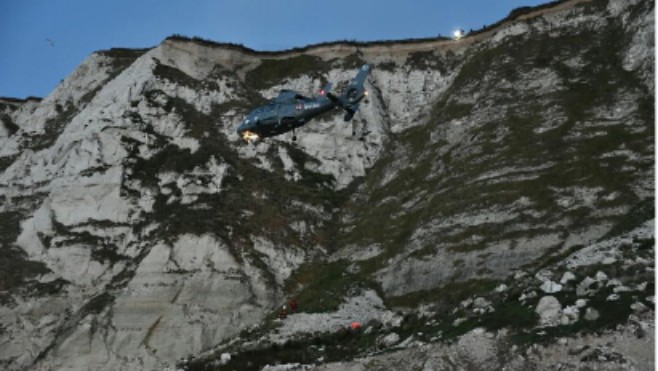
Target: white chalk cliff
(470, 205)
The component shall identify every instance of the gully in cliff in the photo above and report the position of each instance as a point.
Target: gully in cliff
(291, 110)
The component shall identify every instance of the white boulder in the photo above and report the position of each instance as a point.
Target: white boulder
(591, 314)
(612, 297)
(571, 314)
(584, 287)
(502, 287)
(638, 307)
(390, 339)
(566, 277)
(550, 287)
(600, 276)
(549, 310)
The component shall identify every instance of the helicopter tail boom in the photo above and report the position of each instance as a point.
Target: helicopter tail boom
(356, 91)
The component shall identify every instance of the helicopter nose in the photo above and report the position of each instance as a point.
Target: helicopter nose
(244, 125)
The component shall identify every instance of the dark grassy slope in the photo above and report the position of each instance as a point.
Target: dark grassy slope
(16, 269)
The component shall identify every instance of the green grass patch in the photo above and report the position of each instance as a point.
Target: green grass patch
(611, 314)
(510, 314)
(124, 54)
(16, 269)
(273, 71)
(323, 285)
(446, 296)
(332, 347)
(389, 66)
(554, 256)
(96, 304)
(9, 124)
(639, 214)
(352, 61)
(6, 162)
(53, 128)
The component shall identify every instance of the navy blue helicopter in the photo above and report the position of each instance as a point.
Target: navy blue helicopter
(290, 110)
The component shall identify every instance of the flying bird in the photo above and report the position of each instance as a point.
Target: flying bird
(50, 42)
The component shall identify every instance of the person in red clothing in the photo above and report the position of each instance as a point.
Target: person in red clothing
(293, 306)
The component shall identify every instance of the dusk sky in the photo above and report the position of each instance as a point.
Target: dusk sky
(43, 41)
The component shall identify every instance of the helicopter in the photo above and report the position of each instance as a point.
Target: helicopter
(290, 109)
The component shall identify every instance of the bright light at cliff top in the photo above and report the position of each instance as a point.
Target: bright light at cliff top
(458, 34)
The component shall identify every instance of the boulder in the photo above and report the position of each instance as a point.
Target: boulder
(518, 275)
(225, 358)
(389, 340)
(550, 287)
(638, 307)
(549, 310)
(572, 313)
(621, 289)
(600, 276)
(609, 260)
(591, 314)
(391, 319)
(502, 287)
(584, 287)
(481, 303)
(544, 275)
(581, 303)
(613, 282)
(566, 277)
(530, 295)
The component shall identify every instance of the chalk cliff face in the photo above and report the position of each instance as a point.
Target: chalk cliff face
(491, 204)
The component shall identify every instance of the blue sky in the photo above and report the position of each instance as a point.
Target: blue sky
(31, 65)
